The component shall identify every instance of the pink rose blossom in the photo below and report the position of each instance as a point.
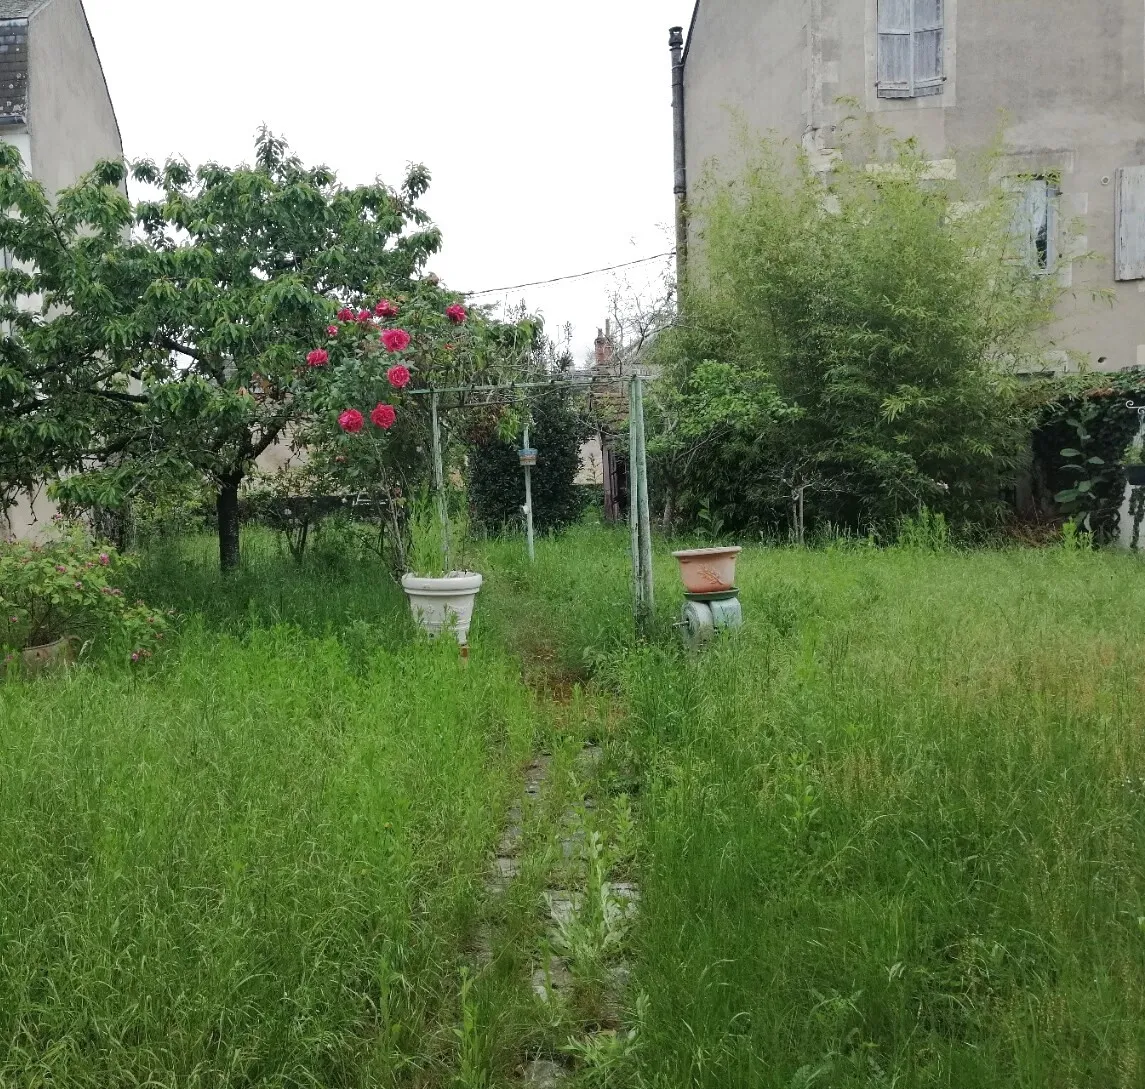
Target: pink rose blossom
(351, 421)
(346, 314)
(365, 317)
(399, 376)
(386, 309)
(104, 559)
(456, 313)
(396, 340)
(384, 417)
(318, 358)
(332, 330)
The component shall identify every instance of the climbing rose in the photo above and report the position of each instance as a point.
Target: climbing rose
(384, 417)
(332, 330)
(351, 421)
(386, 309)
(318, 358)
(399, 376)
(396, 340)
(365, 317)
(456, 313)
(345, 314)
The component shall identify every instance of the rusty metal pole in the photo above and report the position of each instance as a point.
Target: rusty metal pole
(679, 142)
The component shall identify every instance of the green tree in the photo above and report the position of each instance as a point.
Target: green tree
(171, 336)
(849, 348)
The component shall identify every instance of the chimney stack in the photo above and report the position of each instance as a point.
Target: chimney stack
(604, 348)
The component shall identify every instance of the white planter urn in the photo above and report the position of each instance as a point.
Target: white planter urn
(445, 604)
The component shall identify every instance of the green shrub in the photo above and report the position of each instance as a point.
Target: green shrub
(496, 480)
(67, 588)
(849, 349)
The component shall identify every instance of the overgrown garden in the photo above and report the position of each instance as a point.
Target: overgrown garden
(257, 829)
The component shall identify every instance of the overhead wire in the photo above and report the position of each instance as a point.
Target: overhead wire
(572, 276)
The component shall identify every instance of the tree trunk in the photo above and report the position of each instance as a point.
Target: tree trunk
(227, 506)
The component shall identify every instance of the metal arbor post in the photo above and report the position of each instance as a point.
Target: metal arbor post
(529, 497)
(639, 508)
(439, 480)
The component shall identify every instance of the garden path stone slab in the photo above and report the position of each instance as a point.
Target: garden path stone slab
(543, 1074)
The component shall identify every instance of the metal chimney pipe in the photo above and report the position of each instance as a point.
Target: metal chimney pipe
(680, 188)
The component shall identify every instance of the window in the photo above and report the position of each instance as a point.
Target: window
(1131, 223)
(1036, 222)
(912, 39)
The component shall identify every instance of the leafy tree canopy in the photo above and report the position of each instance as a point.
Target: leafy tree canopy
(171, 336)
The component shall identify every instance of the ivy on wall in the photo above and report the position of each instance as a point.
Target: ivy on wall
(1080, 448)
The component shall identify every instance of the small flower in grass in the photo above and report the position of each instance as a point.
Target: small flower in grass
(456, 313)
(13, 620)
(386, 309)
(384, 417)
(395, 340)
(449, 347)
(61, 569)
(346, 314)
(399, 376)
(104, 559)
(135, 656)
(332, 330)
(79, 585)
(351, 421)
(318, 358)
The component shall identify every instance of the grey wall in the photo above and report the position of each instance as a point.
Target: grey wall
(1062, 82)
(70, 115)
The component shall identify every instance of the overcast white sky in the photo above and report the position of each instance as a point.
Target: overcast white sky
(547, 126)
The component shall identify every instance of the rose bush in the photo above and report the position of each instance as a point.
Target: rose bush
(68, 588)
(371, 434)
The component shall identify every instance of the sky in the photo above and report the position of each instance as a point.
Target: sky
(547, 126)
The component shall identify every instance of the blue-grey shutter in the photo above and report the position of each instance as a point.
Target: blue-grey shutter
(1131, 223)
(928, 34)
(895, 48)
(1036, 224)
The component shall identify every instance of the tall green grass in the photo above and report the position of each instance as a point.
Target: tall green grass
(895, 831)
(258, 863)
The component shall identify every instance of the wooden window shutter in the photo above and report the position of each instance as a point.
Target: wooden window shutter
(912, 40)
(928, 43)
(1036, 226)
(1130, 260)
(895, 23)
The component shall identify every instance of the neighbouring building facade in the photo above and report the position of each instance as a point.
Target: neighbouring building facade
(55, 107)
(1061, 81)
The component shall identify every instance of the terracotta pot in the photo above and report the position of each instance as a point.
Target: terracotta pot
(444, 605)
(39, 660)
(708, 570)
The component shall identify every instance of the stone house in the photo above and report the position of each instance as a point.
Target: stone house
(55, 107)
(1061, 82)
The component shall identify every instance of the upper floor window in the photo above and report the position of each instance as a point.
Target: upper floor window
(912, 42)
(1036, 222)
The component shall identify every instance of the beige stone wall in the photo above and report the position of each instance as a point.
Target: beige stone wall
(1061, 82)
(30, 519)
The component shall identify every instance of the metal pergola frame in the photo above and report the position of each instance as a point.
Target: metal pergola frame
(640, 519)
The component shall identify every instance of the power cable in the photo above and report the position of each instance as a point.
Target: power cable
(574, 276)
